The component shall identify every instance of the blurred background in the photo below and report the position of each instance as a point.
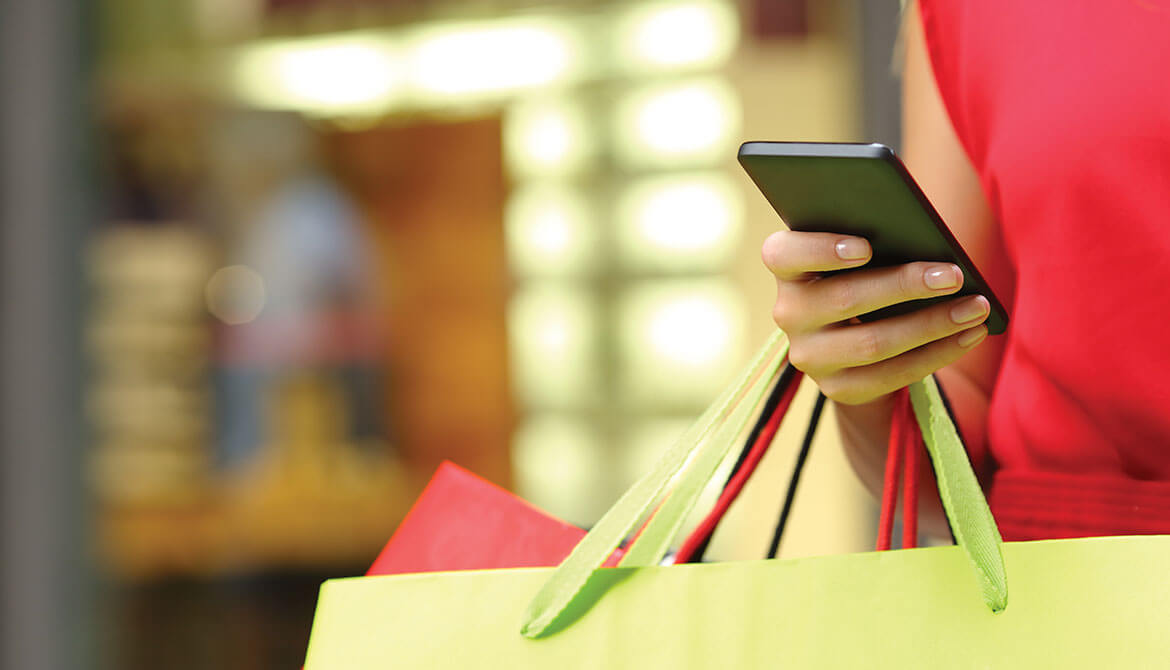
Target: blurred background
(266, 263)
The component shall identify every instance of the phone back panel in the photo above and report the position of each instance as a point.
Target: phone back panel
(862, 190)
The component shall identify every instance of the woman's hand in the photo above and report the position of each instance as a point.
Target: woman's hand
(855, 362)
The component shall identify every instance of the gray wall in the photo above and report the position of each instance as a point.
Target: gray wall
(881, 89)
(42, 561)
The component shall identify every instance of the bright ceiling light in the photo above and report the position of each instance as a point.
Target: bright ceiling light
(679, 340)
(352, 72)
(561, 465)
(553, 334)
(370, 72)
(687, 222)
(693, 123)
(547, 138)
(690, 331)
(492, 58)
(550, 232)
(664, 36)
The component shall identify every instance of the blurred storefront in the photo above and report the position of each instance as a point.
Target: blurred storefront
(342, 240)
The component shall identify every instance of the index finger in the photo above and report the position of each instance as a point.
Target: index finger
(791, 254)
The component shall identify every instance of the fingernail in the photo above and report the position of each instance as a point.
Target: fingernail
(972, 337)
(942, 276)
(852, 250)
(970, 309)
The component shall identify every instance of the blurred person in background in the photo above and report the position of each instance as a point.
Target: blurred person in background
(298, 288)
(1050, 161)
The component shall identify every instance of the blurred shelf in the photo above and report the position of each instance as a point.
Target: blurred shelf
(250, 529)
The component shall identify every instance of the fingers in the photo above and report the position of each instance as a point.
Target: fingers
(807, 306)
(795, 255)
(827, 350)
(855, 362)
(853, 386)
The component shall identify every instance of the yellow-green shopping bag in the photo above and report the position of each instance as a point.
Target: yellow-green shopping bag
(1099, 602)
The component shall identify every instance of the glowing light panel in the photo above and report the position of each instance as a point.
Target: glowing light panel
(553, 336)
(550, 232)
(690, 123)
(492, 57)
(547, 138)
(679, 340)
(666, 36)
(559, 463)
(355, 72)
(688, 222)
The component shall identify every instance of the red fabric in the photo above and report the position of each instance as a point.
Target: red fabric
(463, 522)
(1034, 505)
(730, 492)
(1064, 110)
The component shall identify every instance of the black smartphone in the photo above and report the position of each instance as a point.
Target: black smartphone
(863, 190)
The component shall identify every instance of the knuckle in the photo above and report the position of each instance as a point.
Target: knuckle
(772, 251)
(788, 309)
(780, 314)
(869, 346)
(841, 296)
(910, 280)
(800, 356)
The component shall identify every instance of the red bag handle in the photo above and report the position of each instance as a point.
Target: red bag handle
(903, 464)
(704, 530)
(903, 458)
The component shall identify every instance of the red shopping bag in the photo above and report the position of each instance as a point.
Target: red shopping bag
(463, 522)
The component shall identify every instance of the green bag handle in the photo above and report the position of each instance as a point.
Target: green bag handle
(962, 498)
(566, 583)
(654, 541)
(704, 446)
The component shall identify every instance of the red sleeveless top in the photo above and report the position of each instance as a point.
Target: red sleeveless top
(1064, 110)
